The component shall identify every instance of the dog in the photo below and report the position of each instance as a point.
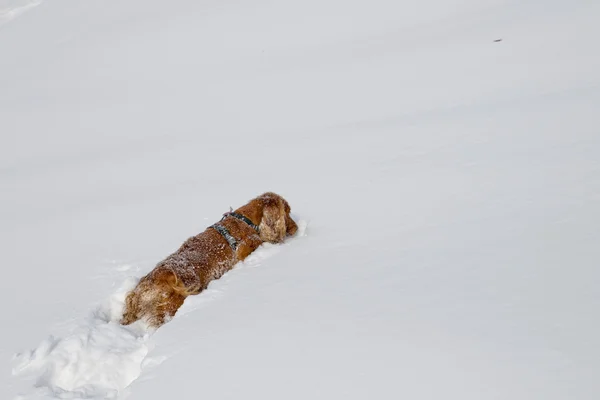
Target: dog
(206, 257)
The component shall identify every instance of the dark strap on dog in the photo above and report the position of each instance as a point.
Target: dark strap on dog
(242, 218)
(225, 233)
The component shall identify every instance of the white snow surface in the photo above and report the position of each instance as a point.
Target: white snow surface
(447, 185)
(10, 9)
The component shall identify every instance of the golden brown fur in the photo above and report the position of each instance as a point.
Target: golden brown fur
(205, 257)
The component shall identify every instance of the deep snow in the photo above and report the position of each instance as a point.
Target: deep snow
(450, 185)
(99, 358)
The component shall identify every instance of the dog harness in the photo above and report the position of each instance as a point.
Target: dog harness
(233, 243)
(225, 233)
(242, 218)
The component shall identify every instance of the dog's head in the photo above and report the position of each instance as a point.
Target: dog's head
(275, 221)
(155, 299)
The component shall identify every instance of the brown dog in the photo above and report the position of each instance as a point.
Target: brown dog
(207, 256)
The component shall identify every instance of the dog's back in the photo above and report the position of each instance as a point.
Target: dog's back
(207, 256)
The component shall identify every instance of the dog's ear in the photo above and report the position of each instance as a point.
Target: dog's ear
(276, 222)
(290, 225)
(272, 225)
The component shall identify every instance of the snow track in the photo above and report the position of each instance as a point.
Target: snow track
(100, 358)
(97, 359)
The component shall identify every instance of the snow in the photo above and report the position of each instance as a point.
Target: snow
(100, 358)
(448, 185)
(10, 9)
(97, 359)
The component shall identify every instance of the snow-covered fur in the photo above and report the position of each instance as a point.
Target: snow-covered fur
(205, 257)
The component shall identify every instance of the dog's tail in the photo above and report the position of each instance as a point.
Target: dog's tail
(180, 288)
(172, 281)
(150, 298)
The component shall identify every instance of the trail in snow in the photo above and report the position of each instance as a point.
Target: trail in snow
(100, 358)
(96, 360)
